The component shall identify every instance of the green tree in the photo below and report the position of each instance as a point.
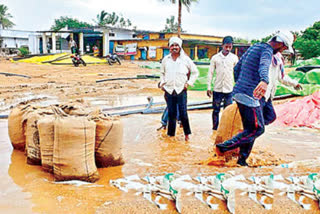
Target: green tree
(171, 25)
(5, 17)
(105, 18)
(187, 4)
(101, 18)
(265, 39)
(308, 42)
(240, 40)
(64, 21)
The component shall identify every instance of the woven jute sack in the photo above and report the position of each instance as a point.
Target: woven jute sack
(230, 125)
(46, 138)
(32, 138)
(73, 150)
(109, 139)
(16, 127)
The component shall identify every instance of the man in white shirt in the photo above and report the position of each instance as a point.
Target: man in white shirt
(174, 82)
(276, 74)
(73, 45)
(222, 63)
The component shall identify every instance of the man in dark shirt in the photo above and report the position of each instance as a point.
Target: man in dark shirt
(251, 76)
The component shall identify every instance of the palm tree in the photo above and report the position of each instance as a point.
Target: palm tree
(101, 18)
(5, 17)
(187, 4)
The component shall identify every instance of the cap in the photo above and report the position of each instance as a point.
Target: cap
(287, 38)
(227, 40)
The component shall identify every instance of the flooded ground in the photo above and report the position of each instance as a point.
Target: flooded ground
(28, 189)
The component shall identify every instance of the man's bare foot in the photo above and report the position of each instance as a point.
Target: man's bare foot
(187, 138)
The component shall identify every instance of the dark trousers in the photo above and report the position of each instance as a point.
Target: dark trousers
(217, 99)
(253, 127)
(165, 116)
(269, 115)
(173, 100)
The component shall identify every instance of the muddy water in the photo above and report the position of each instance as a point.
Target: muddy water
(28, 189)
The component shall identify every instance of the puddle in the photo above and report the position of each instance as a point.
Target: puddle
(39, 99)
(115, 100)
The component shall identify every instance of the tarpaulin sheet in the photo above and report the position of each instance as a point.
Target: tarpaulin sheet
(60, 59)
(86, 58)
(303, 112)
(312, 61)
(41, 59)
(310, 82)
(201, 82)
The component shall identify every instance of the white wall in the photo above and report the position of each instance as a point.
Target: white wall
(34, 44)
(15, 38)
(120, 34)
(14, 43)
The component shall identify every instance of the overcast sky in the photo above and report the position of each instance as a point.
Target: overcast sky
(248, 19)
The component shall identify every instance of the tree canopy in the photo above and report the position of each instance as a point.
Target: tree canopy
(308, 41)
(187, 4)
(105, 18)
(5, 17)
(64, 21)
(171, 25)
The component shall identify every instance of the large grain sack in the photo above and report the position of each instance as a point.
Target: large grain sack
(109, 137)
(46, 137)
(77, 107)
(230, 125)
(32, 138)
(16, 127)
(73, 150)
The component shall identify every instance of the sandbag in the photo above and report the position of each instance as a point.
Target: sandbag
(32, 138)
(46, 137)
(16, 127)
(73, 150)
(230, 125)
(109, 137)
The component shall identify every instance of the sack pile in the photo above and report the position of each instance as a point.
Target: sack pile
(69, 140)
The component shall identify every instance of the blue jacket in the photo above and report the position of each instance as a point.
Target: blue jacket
(252, 68)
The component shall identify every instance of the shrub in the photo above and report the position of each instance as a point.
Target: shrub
(23, 51)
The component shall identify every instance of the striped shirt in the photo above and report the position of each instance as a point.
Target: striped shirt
(252, 68)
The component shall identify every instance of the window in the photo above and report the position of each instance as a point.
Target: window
(161, 36)
(145, 36)
(112, 34)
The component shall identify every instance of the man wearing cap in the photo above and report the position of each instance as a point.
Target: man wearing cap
(222, 63)
(174, 82)
(251, 76)
(276, 74)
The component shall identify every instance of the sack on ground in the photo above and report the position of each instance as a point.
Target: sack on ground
(46, 137)
(16, 127)
(73, 150)
(77, 108)
(109, 137)
(32, 138)
(230, 125)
